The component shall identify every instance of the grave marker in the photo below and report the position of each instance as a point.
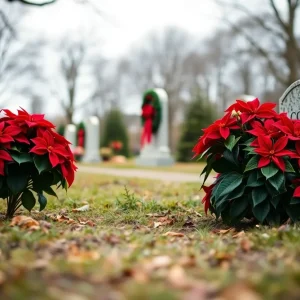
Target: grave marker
(70, 135)
(290, 101)
(156, 152)
(92, 140)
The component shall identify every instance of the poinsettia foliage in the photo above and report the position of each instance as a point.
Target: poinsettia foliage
(256, 155)
(33, 159)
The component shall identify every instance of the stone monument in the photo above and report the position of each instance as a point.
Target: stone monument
(290, 101)
(70, 135)
(154, 139)
(92, 140)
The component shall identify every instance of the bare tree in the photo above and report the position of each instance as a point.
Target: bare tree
(281, 42)
(71, 61)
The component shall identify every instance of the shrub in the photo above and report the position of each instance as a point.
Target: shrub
(33, 158)
(115, 130)
(256, 154)
(199, 114)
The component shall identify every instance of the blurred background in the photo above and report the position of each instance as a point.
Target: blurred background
(74, 58)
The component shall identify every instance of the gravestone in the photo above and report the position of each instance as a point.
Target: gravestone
(92, 140)
(70, 135)
(157, 152)
(290, 101)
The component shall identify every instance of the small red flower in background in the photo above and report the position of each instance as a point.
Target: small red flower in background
(253, 109)
(116, 145)
(273, 151)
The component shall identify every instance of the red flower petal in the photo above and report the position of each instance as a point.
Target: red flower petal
(264, 161)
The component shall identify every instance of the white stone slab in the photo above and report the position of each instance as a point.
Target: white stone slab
(92, 140)
(290, 101)
(70, 135)
(157, 153)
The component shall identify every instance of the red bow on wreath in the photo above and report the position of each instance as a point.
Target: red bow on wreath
(148, 113)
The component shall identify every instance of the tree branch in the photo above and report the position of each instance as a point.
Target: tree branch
(260, 21)
(278, 17)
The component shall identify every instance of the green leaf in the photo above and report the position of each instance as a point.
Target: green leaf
(252, 163)
(208, 169)
(49, 191)
(17, 183)
(295, 200)
(28, 200)
(274, 201)
(21, 157)
(288, 167)
(231, 142)
(238, 207)
(42, 162)
(261, 211)
(277, 181)
(269, 171)
(222, 166)
(42, 181)
(249, 141)
(293, 212)
(42, 201)
(253, 181)
(230, 182)
(249, 150)
(238, 192)
(259, 194)
(229, 156)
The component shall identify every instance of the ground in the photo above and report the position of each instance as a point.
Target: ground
(122, 238)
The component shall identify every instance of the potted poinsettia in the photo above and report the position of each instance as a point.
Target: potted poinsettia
(256, 155)
(33, 159)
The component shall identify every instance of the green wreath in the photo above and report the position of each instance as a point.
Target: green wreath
(157, 107)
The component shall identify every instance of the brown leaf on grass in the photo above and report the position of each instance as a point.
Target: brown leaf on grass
(64, 219)
(239, 291)
(246, 245)
(223, 231)
(25, 222)
(77, 255)
(87, 222)
(187, 261)
(174, 234)
(178, 278)
(112, 239)
(163, 221)
(82, 208)
(158, 262)
(239, 234)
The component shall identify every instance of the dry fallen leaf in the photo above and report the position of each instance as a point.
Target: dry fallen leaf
(25, 222)
(239, 234)
(223, 231)
(88, 222)
(82, 208)
(246, 245)
(77, 255)
(178, 278)
(65, 219)
(158, 262)
(239, 291)
(172, 233)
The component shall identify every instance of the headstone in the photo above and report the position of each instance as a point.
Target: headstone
(92, 140)
(290, 101)
(157, 152)
(70, 135)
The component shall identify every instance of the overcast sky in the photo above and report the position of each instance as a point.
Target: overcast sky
(118, 24)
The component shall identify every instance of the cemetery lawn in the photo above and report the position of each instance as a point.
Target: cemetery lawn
(150, 241)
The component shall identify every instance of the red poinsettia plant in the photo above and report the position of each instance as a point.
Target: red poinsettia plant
(33, 158)
(256, 154)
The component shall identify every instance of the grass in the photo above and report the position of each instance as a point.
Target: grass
(143, 239)
(192, 167)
